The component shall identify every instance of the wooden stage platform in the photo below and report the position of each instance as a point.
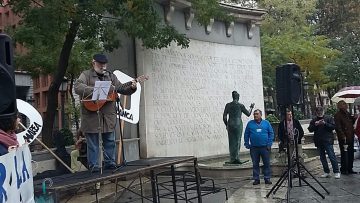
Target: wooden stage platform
(138, 168)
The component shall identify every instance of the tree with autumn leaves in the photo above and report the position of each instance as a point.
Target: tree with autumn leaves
(60, 36)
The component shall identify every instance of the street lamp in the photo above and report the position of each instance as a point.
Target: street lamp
(306, 87)
(63, 89)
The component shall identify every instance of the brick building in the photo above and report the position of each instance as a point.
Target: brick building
(32, 90)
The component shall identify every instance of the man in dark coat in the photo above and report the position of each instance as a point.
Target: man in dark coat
(90, 120)
(323, 126)
(345, 132)
(295, 133)
(234, 125)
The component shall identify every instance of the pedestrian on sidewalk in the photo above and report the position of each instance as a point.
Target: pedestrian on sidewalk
(345, 132)
(295, 133)
(323, 127)
(258, 138)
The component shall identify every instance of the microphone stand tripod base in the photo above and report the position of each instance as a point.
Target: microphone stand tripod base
(120, 166)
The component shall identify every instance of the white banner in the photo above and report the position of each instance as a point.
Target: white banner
(130, 115)
(16, 178)
(36, 122)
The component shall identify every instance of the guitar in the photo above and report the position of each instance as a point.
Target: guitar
(96, 105)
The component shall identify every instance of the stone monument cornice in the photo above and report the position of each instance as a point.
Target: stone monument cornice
(249, 16)
(241, 14)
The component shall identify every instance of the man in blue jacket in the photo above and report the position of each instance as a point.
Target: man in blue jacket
(260, 134)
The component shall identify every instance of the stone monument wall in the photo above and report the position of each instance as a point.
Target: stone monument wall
(183, 102)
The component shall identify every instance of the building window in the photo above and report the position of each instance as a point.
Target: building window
(46, 81)
(6, 17)
(36, 82)
(43, 81)
(37, 100)
(44, 101)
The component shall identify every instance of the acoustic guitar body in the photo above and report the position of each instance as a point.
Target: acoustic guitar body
(96, 105)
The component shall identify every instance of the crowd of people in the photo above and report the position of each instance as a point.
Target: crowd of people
(259, 136)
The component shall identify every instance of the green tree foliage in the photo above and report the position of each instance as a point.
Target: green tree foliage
(337, 17)
(272, 118)
(68, 136)
(207, 9)
(285, 19)
(286, 16)
(339, 20)
(331, 110)
(345, 71)
(288, 36)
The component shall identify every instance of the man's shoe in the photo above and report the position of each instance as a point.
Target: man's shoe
(94, 169)
(112, 167)
(337, 175)
(268, 182)
(352, 172)
(256, 182)
(325, 175)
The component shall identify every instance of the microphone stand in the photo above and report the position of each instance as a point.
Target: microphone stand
(293, 163)
(101, 151)
(124, 162)
(118, 111)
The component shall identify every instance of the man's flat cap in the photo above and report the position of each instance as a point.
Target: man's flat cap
(101, 58)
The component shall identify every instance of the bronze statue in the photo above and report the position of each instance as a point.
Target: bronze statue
(234, 126)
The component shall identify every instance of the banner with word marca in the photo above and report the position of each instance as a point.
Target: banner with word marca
(130, 115)
(16, 178)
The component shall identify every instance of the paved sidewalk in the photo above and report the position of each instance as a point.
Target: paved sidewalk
(344, 190)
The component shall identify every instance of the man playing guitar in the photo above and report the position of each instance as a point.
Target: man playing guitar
(107, 114)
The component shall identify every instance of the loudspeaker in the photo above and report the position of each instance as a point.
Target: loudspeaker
(288, 84)
(6, 54)
(7, 78)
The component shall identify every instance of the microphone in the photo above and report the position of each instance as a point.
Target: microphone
(106, 71)
(101, 76)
